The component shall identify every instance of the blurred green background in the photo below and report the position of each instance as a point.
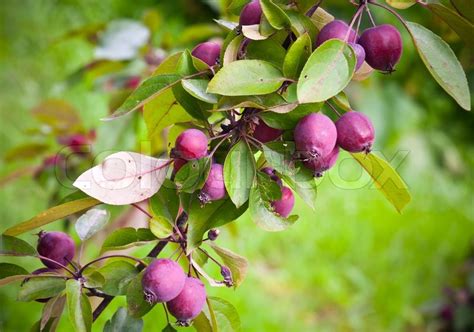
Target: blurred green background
(354, 264)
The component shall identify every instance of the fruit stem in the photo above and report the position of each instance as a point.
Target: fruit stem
(166, 313)
(210, 257)
(107, 257)
(370, 16)
(135, 205)
(58, 264)
(393, 12)
(354, 18)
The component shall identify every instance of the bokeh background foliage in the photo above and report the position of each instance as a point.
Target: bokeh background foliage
(354, 264)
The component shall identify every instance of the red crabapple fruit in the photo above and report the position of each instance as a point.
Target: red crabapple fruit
(359, 53)
(214, 188)
(56, 246)
(355, 132)
(285, 204)
(315, 136)
(191, 144)
(383, 47)
(208, 52)
(336, 29)
(162, 281)
(272, 174)
(265, 133)
(320, 165)
(251, 14)
(189, 303)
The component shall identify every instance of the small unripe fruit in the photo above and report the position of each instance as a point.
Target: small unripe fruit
(189, 303)
(208, 52)
(315, 136)
(162, 281)
(214, 188)
(336, 29)
(320, 165)
(355, 132)
(383, 47)
(213, 234)
(264, 133)
(56, 246)
(251, 14)
(285, 204)
(226, 273)
(78, 143)
(359, 53)
(272, 174)
(191, 144)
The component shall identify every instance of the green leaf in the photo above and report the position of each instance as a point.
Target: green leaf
(297, 55)
(269, 101)
(122, 322)
(270, 50)
(127, 237)
(79, 307)
(91, 222)
(327, 72)
(53, 214)
(118, 276)
(136, 304)
(442, 63)
(386, 179)
(401, 4)
(170, 328)
(342, 101)
(197, 88)
(203, 218)
(239, 172)
(237, 264)
(232, 50)
(300, 179)
(290, 119)
(52, 309)
(269, 189)
(262, 214)
(149, 89)
(41, 288)
(8, 270)
(459, 24)
(226, 315)
(465, 8)
(60, 116)
(10, 245)
(193, 175)
(201, 323)
(164, 207)
(302, 24)
(163, 111)
(274, 14)
(26, 151)
(246, 77)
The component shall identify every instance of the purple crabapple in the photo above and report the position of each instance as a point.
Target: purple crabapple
(208, 52)
(265, 133)
(272, 174)
(336, 29)
(315, 136)
(189, 303)
(251, 14)
(355, 132)
(285, 204)
(214, 188)
(359, 53)
(191, 144)
(320, 165)
(57, 246)
(163, 280)
(383, 47)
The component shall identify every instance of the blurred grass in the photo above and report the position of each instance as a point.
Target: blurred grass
(352, 265)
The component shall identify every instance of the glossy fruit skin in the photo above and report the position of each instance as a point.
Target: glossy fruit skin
(191, 144)
(272, 174)
(190, 301)
(360, 55)
(320, 165)
(285, 204)
(214, 188)
(383, 47)
(251, 14)
(57, 246)
(336, 29)
(264, 133)
(162, 281)
(208, 52)
(355, 132)
(315, 136)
